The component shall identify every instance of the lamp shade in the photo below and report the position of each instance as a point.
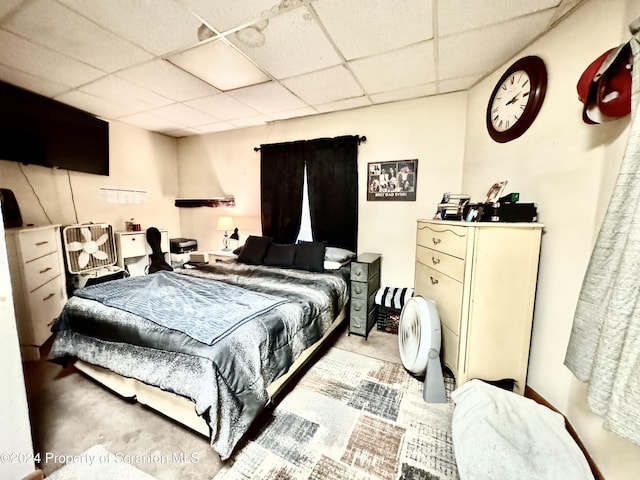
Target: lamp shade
(225, 223)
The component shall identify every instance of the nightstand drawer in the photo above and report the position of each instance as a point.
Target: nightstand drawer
(364, 289)
(364, 271)
(360, 322)
(39, 271)
(36, 243)
(449, 239)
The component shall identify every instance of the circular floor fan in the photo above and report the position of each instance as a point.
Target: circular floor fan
(419, 338)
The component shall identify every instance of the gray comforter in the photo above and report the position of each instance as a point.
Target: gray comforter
(228, 379)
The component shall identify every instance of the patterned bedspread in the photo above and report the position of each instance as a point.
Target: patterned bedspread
(226, 380)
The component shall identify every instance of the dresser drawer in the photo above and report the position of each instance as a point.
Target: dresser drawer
(36, 243)
(446, 292)
(447, 264)
(449, 239)
(133, 245)
(46, 303)
(39, 271)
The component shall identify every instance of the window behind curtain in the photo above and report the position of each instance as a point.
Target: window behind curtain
(332, 181)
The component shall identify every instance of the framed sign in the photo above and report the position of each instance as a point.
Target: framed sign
(392, 180)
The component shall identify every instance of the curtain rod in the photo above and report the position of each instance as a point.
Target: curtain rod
(360, 140)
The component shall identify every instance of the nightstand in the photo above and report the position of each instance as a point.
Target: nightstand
(133, 251)
(365, 281)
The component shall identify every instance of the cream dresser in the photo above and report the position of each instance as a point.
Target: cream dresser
(38, 281)
(482, 277)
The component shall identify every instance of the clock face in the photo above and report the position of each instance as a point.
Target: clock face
(511, 101)
(516, 99)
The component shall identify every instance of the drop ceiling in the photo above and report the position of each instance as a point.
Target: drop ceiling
(110, 57)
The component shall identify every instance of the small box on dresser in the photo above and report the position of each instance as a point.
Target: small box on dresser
(365, 281)
(38, 280)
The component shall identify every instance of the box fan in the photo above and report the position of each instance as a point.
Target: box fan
(90, 252)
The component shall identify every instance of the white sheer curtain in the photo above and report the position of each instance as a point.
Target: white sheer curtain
(604, 347)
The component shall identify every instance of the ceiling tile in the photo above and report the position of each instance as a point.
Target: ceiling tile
(227, 14)
(41, 86)
(405, 94)
(26, 56)
(151, 122)
(215, 127)
(166, 79)
(469, 53)
(366, 27)
(106, 108)
(138, 22)
(50, 24)
(119, 90)
(455, 16)
(251, 121)
(268, 98)
(222, 106)
(326, 86)
(298, 112)
(347, 104)
(407, 67)
(287, 45)
(183, 115)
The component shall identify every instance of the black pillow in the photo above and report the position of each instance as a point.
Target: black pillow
(280, 255)
(254, 250)
(310, 256)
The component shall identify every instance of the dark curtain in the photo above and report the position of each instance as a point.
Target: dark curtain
(332, 180)
(281, 184)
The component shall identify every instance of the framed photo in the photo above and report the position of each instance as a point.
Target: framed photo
(392, 180)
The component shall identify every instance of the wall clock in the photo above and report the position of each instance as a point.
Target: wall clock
(516, 99)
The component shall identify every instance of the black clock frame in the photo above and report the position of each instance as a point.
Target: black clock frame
(537, 71)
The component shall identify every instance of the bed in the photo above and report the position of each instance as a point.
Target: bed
(209, 345)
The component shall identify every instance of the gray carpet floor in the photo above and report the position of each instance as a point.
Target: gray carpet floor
(70, 414)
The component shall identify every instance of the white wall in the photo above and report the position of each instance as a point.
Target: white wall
(138, 160)
(431, 130)
(14, 414)
(568, 168)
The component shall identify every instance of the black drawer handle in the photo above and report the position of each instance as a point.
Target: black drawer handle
(434, 281)
(51, 295)
(45, 270)
(435, 240)
(39, 244)
(435, 260)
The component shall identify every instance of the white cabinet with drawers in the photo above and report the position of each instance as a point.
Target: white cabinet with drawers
(38, 281)
(482, 277)
(133, 251)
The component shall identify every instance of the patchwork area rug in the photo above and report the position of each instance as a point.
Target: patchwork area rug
(351, 417)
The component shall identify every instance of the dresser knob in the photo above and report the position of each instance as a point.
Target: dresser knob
(435, 260)
(358, 289)
(435, 240)
(357, 308)
(45, 270)
(434, 281)
(51, 295)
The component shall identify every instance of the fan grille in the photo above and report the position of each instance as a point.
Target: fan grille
(83, 244)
